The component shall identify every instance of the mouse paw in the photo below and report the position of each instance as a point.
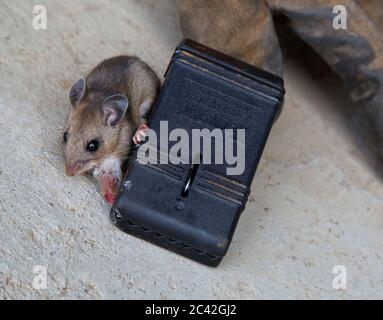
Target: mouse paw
(140, 134)
(109, 176)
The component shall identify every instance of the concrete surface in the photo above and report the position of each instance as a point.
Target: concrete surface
(316, 201)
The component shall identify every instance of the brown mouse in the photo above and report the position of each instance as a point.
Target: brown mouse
(107, 108)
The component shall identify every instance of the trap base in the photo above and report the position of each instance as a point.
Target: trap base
(188, 209)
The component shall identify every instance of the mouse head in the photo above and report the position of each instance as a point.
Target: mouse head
(93, 128)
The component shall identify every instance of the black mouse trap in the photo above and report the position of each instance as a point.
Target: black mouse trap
(192, 208)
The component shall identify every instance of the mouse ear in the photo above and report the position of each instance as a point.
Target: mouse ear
(114, 109)
(77, 92)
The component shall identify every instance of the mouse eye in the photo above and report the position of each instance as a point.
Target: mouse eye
(93, 146)
(65, 137)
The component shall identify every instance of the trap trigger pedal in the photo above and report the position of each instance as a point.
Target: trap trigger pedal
(190, 208)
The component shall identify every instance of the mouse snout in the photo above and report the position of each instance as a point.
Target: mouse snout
(71, 169)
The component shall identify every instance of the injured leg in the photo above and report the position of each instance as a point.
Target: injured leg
(109, 176)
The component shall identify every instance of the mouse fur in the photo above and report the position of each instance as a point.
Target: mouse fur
(107, 107)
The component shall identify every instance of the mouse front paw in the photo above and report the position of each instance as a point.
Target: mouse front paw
(109, 175)
(109, 187)
(110, 198)
(140, 134)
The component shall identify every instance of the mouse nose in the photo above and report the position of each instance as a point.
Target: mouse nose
(72, 169)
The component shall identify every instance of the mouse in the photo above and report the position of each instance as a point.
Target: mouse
(107, 117)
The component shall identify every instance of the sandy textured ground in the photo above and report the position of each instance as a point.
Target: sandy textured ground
(316, 199)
